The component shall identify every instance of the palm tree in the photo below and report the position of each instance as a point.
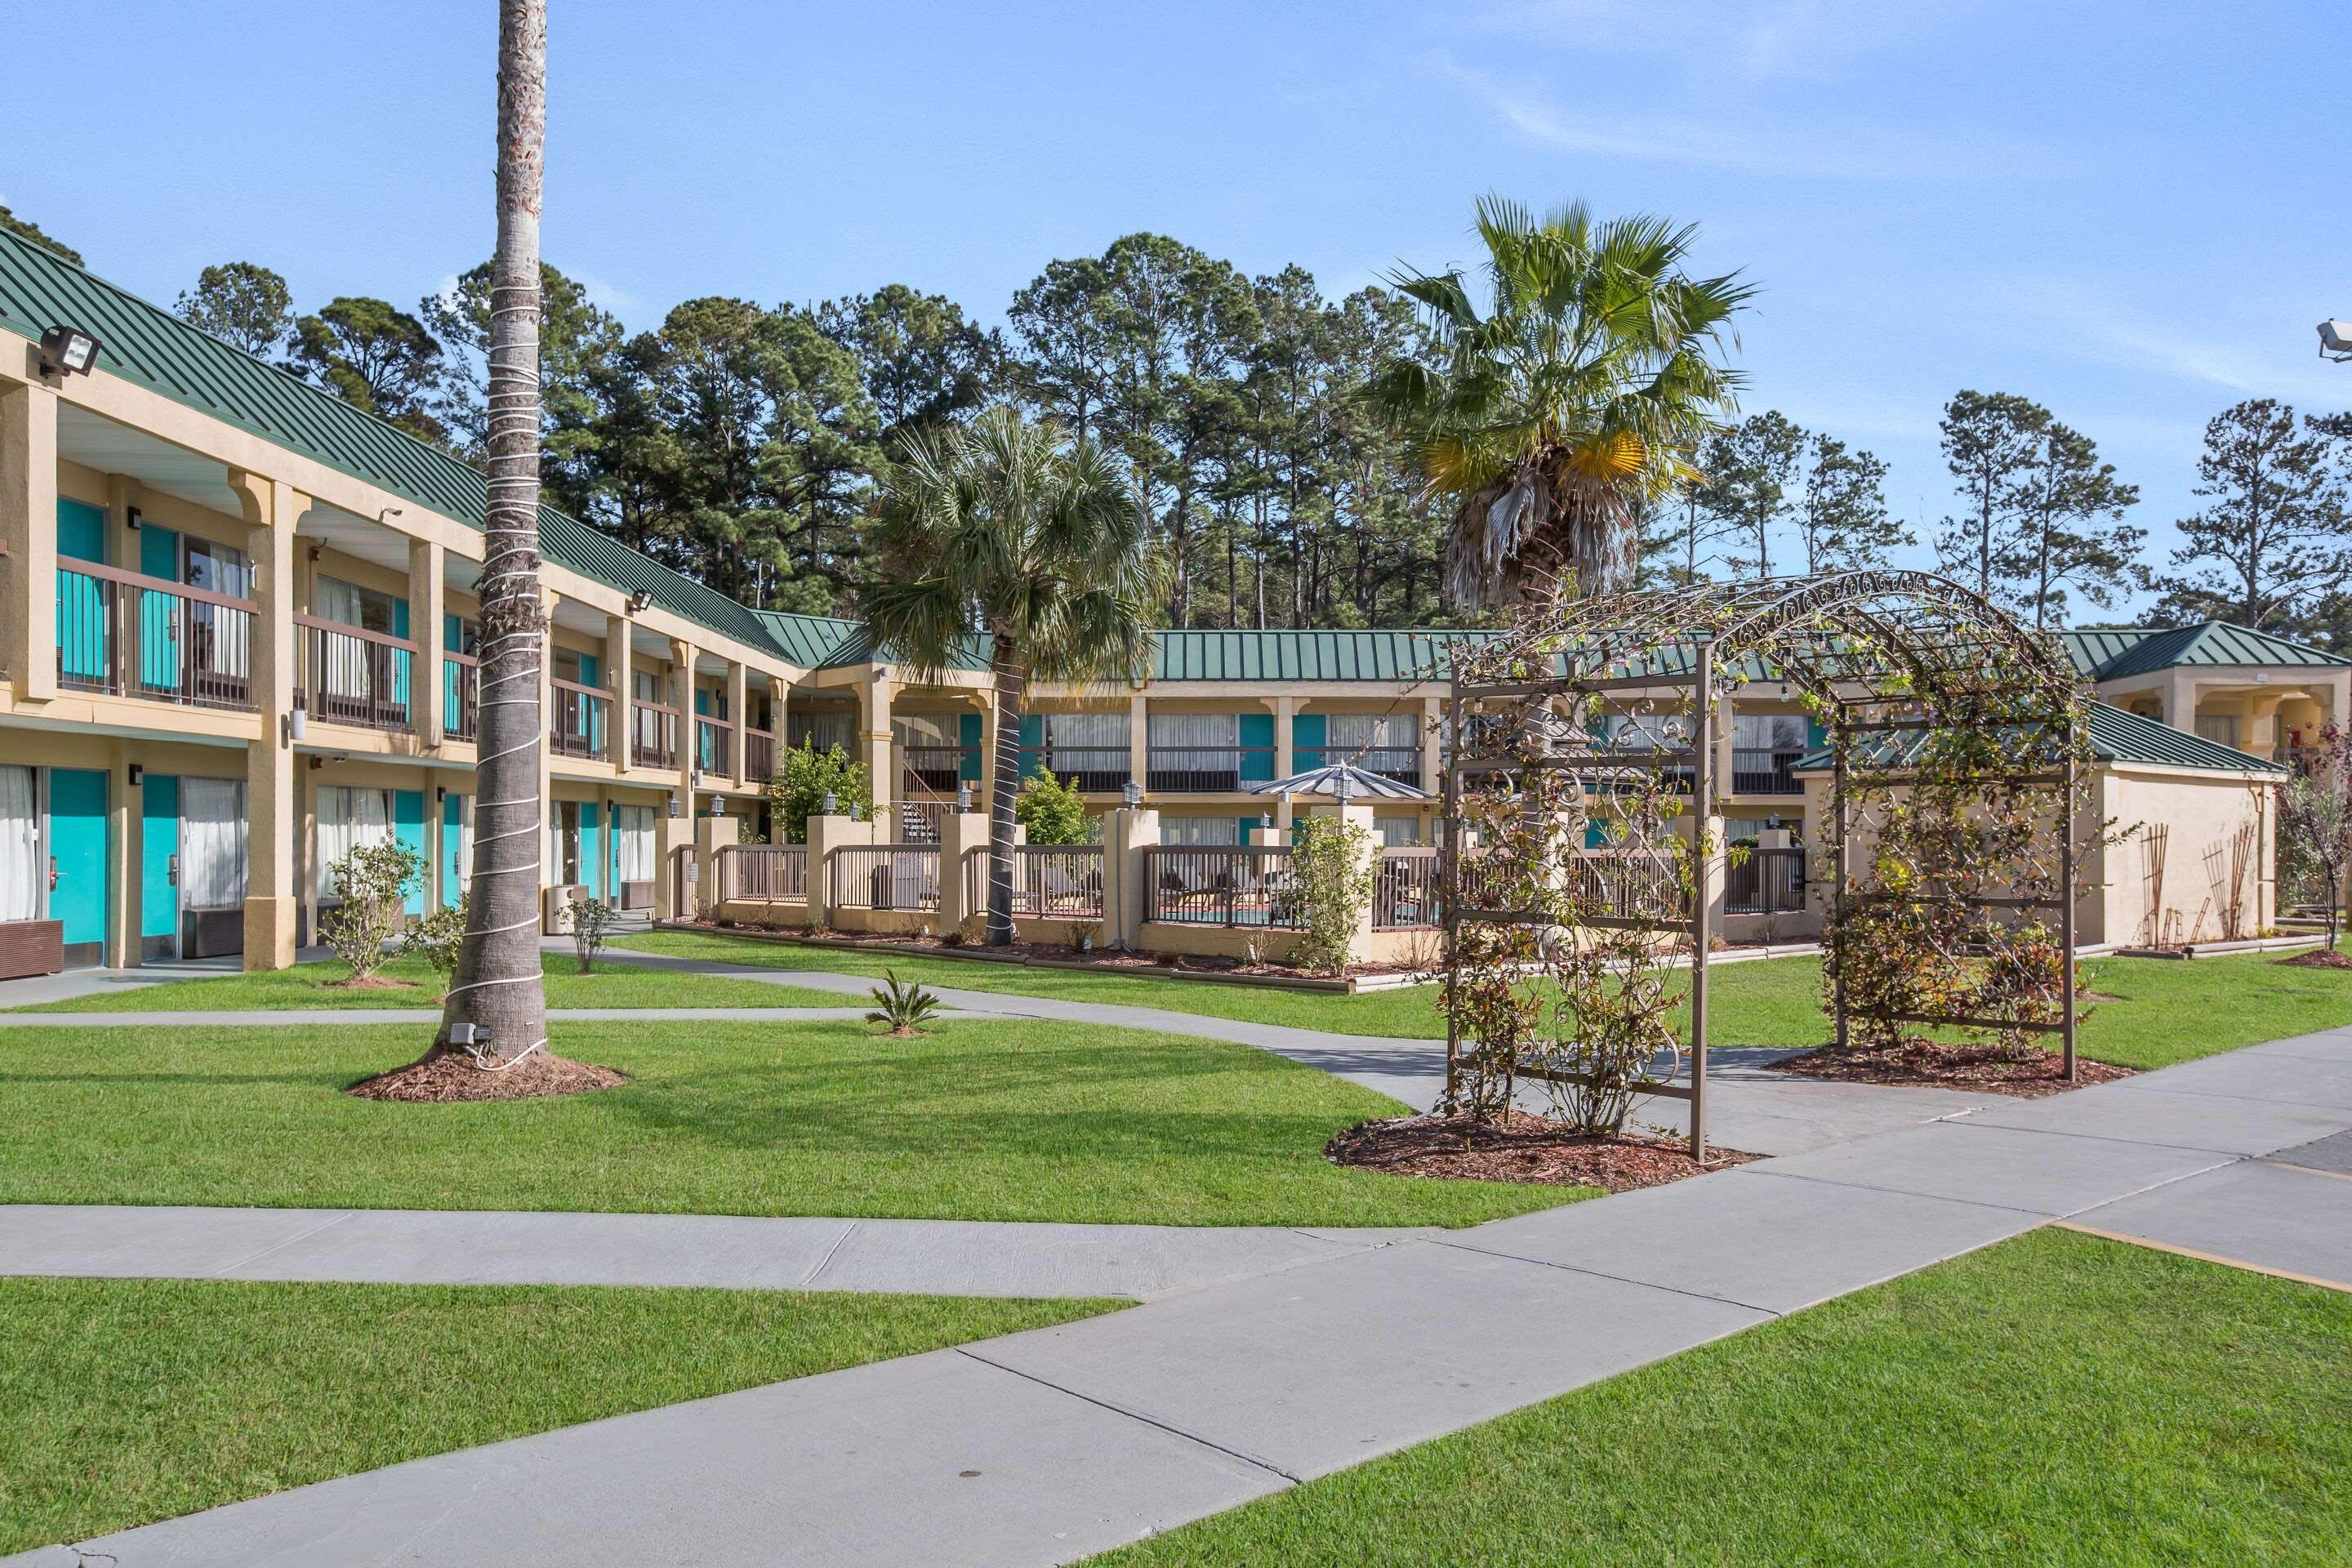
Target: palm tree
(1009, 530)
(497, 984)
(1552, 421)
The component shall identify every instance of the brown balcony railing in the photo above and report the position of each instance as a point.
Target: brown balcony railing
(714, 746)
(938, 768)
(580, 723)
(131, 635)
(1766, 772)
(352, 676)
(1102, 769)
(653, 735)
(1055, 881)
(774, 872)
(1766, 882)
(1404, 889)
(461, 692)
(759, 755)
(1206, 770)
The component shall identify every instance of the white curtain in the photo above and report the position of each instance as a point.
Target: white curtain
(1344, 732)
(212, 844)
(820, 728)
(20, 847)
(1398, 831)
(347, 670)
(922, 730)
(224, 638)
(636, 830)
(1107, 731)
(1198, 829)
(1767, 731)
(1194, 742)
(347, 819)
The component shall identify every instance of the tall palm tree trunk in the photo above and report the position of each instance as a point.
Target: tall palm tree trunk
(1011, 694)
(497, 982)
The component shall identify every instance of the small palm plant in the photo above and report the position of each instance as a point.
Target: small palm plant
(905, 1007)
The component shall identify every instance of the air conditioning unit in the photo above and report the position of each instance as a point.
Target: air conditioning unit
(212, 933)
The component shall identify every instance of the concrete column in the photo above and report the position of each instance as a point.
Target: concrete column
(2180, 701)
(427, 602)
(272, 810)
(690, 742)
(619, 661)
(1139, 740)
(1359, 813)
(739, 713)
(1285, 718)
(1433, 725)
(960, 833)
(874, 700)
(712, 834)
(1127, 833)
(124, 824)
(28, 531)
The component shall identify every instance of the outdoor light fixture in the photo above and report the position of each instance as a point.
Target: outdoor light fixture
(673, 806)
(640, 601)
(2335, 341)
(440, 794)
(130, 519)
(963, 797)
(69, 351)
(718, 805)
(295, 725)
(1773, 821)
(1132, 794)
(1343, 786)
(830, 805)
(137, 773)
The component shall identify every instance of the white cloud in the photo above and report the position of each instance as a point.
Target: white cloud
(2252, 350)
(1758, 40)
(1718, 140)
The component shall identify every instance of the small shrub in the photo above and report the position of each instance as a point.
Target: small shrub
(905, 1007)
(592, 921)
(436, 938)
(1053, 812)
(803, 777)
(1336, 864)
(372, 881)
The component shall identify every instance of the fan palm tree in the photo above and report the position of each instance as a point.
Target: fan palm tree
(1578, 400)
(498, 986)
(1006, 529)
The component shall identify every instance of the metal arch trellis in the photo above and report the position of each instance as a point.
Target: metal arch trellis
(1580, 861)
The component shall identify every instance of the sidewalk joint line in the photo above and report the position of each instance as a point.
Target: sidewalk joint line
(1617, 1279)
(2111, 1138)
(281, 1246)
(1174, 1431)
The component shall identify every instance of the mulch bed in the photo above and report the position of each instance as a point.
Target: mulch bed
(1929, 1064)
(1061, 953)
(2319, 958)
(446, 1077)
(368, 982)
(1522, 1148)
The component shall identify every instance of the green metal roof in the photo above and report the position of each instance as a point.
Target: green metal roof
(2113, 653)
(807, 640)
(2117, 736)
(1307, 656)
(149, 346)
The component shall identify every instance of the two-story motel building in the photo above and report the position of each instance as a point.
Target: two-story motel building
(236, 637)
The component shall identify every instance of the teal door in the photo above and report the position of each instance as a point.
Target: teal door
(1308, 733)
(1032, 737)
(78, 849)
(159, 613)
(454, 869)
(968, 737)
(1258, 747)
(84, 637)
(408, 828)
(591, 854)
(158, 850)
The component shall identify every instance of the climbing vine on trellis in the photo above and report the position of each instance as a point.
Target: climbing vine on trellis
(1582, 836)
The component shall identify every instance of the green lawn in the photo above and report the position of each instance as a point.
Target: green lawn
(612, 985)
(2165, 1011)
(125, 1401)
(2055, 1400)
(978, 1120)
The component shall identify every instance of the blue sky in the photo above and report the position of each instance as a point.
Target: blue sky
(2120, 210)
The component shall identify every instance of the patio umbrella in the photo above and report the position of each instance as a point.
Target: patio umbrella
(1343, 781)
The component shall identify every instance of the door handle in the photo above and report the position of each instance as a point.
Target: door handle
(172, 871)
(54, 873)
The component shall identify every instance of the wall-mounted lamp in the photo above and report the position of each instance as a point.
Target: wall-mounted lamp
(68, 351)
(138, 774)
(131, 518)
(440, 794)
(295, 724)
(1132, 794)
(640, 602)
(317, 551)
(389, 512)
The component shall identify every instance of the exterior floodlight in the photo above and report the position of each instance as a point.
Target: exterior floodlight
(70, 350)
(1131, 792)
(640, 601)
(2335, 341)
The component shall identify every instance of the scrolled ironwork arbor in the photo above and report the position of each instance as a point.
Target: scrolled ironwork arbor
(1582, 858)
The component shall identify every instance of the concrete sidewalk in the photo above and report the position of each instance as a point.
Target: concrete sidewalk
(1045, 1446)
(948, 1257)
